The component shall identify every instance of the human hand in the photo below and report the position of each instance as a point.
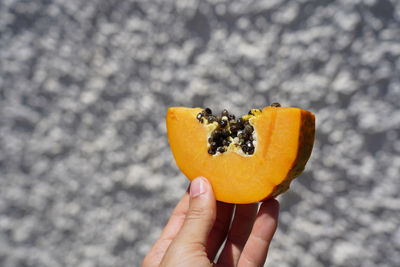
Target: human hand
(199, 226)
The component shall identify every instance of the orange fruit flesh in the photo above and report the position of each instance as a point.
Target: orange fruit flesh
(284, 142)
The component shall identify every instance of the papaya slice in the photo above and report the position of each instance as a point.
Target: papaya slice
(247, 159)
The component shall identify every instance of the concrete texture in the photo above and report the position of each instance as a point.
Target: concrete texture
(87, 178)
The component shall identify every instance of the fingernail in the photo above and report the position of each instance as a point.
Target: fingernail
(197, 187)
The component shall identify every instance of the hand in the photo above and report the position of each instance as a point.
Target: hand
(199, 225)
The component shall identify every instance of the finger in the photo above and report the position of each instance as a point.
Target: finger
(192, 237)
(170, 231)
(191, 240)
(220, 228)
(201, 214)
(256, 249)
(241, 227)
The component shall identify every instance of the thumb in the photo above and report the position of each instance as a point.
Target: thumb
(200, 216)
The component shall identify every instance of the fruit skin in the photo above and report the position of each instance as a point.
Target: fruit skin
(306, 138)
(285, 138)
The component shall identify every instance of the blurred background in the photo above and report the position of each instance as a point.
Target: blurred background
(86, 174)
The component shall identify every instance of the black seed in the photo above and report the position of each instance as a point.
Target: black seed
(249, 145)
(234, 130)
(241, 123)
(240, 135)
(234, 127)
(244, 148)
(231, 117)
(210, 140)
(225, 132)
(200, 117)
(214, 145)
(250, 151)
(223, 123)
(250, 113)
(246, 137)
(217, 133)
(211, 119)
(226, 142)
(224, 113)
(275, 104)
(251, 138)
(248, 129)
(221, 149)
(211, 151)
(208, 111)
(220, 140)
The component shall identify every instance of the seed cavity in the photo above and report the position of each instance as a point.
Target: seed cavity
(229, 131)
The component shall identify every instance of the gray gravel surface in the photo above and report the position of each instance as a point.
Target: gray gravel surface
(87, 178)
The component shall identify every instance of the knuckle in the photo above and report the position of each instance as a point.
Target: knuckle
(248, 259)
(197, 213)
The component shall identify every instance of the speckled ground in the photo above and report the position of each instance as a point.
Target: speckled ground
(87, 178)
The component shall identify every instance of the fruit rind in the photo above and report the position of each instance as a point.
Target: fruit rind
(306, 138)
